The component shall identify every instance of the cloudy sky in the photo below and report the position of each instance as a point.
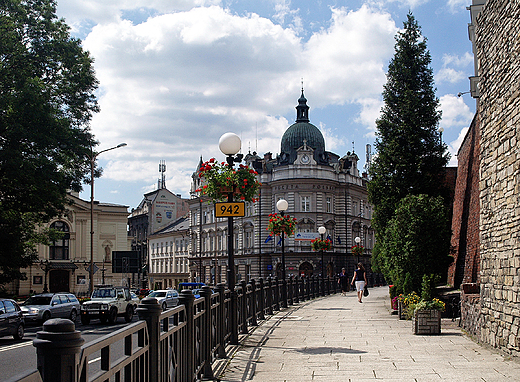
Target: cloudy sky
(177, 74)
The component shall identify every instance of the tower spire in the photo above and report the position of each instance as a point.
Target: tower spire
(302, 110)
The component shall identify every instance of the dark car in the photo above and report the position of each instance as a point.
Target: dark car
(11, 319)
(41, 307)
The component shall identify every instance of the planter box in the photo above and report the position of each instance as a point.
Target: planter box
(427, 322)
(400, 311)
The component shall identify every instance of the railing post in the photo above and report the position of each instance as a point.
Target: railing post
(253, 301)
(221, 320)
(243, 307)
(328, 285)
(261, 299)
(58, 348)
(207, 371)
(149, 310)
(290, 288)
(187, 299)
(276, 293)
(296, 290)
(270, 296)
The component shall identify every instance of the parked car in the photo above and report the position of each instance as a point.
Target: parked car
(143, 292)
(167, 298)
(11, 319)
(136, 300)
(41, 307)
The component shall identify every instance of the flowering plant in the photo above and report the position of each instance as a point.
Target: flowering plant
(395, 304)
(434, 304)
(278, 224)
(221, 179)
(357, 250)
(321, 245)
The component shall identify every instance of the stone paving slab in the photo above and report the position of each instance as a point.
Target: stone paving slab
(336, 338)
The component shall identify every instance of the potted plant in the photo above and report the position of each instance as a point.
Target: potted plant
(221, 179)
(278, 224)
(321, 245)
(357, 250)
(427, 312)
(406, 305)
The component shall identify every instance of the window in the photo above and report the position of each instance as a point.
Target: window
(329, 204)
(59, 249)
(305, 204)
(249, 239)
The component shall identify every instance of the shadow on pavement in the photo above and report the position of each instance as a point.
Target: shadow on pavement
(328, 350)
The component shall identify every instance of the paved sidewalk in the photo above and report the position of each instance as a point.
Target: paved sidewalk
(338, 339)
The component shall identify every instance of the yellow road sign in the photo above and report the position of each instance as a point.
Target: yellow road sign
(233, 209)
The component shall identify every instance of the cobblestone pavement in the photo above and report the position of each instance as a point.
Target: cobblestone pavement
(336, 338)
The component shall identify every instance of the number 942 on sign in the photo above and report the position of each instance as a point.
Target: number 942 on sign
(234, 209)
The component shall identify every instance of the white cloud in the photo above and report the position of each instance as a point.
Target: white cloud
(454, 146)
(454, 68)
(455, 6)
(455, 113)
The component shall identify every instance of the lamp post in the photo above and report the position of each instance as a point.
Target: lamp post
(322, 231)
(441, 130)
(230, 144)
(357, 240)
(45, 267)
(92, 158)
(282, 206)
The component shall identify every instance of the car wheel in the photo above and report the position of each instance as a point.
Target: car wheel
(164, 307)
(18, 335)
(46, 316)
(85, 319)
(129, 313)
(112, 316)
(73, 315)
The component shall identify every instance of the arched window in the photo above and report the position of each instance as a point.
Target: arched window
(59, 249)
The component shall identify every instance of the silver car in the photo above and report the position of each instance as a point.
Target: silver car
(41, 307)
(167, 298)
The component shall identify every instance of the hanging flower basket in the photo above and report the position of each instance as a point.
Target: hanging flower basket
(321, 245)
(221, 180)
(278, 224)
(357, 250)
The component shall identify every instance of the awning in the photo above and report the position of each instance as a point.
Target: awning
(68, 265)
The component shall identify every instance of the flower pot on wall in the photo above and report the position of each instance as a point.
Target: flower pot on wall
(427, 322)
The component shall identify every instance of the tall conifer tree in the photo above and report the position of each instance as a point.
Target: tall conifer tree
(410, 155)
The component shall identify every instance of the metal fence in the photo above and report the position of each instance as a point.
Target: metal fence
(178, 345)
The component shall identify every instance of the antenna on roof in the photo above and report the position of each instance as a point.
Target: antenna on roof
(162, 171)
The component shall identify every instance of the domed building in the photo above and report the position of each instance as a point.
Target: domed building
(321, 188)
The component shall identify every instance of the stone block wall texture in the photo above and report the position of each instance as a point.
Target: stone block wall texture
(498, 53)
(466, 211)
(470, 313)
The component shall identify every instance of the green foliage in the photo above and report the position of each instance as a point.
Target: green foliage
(410, 155)
(278, 224)
(434, 304)
(416, 241)
(47, 86)
(321, 245)
(427, 287)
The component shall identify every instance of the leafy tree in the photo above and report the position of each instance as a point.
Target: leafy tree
(417, 241)
(410, 155)
(47, 86)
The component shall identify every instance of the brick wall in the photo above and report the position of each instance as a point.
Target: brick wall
(466, 211)
(498, 52)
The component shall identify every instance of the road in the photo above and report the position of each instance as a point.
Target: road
(19, 356)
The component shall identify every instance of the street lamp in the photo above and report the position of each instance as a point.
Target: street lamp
(357, 240)
(322, 231)
(92, 158)
(45, 266)
(441, 130)
(282, 205)
(230, 144)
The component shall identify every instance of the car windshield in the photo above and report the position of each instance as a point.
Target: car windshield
(103, 293)
(157, 294)
(38, 300)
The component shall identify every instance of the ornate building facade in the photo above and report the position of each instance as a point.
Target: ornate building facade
(321, 188)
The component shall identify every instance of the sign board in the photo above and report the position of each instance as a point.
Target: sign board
(303, 236)
(125, 262)
(230, 209)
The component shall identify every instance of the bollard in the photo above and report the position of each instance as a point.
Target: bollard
(58, 349)
(261, 299)
(187, 298)
(253, 301)
(221, 320)
(206, 341)
(149, 310)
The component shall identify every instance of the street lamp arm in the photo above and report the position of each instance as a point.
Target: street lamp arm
(94, 156)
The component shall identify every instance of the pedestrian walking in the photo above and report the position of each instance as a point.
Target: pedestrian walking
(359, 280)
(343, 282)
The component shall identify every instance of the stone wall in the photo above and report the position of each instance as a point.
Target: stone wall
(498, 52)
(466, 211)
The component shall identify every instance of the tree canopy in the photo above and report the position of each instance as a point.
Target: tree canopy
(47, 99)
(410, 158)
